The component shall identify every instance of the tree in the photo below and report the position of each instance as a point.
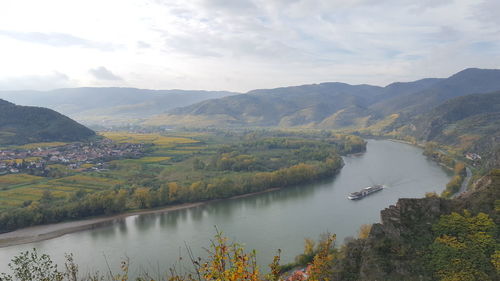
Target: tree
(464, 248)
(321, 268)
(141, 197)
(31, 266)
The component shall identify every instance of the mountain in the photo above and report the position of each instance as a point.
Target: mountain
(333, 105)
(466, 115)
(289, 106)
(468, 81)
(325, 105)
(470, 123)
(26, 124)
(109, 106)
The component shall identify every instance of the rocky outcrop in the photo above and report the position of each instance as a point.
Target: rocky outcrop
(394, 248)
(390, 251)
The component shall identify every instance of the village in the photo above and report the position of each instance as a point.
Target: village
(74, 155)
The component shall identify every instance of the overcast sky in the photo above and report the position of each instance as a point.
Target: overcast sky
(241, 45)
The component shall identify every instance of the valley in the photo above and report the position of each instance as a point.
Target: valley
(226, 160)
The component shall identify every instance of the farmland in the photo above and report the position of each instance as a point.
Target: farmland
(21, 189)
(172, 168)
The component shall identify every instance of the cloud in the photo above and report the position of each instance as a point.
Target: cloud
(240, 45)
(102, 73)
(486, 12)
(56, 40)
(143, 45)
(36, 82)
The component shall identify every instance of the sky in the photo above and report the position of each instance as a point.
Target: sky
(239, 45)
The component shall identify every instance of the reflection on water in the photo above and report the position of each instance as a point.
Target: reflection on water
(145, 222)
(265, 222)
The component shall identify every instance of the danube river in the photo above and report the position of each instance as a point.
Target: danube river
(264, 222)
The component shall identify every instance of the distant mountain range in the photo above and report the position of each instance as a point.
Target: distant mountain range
(332, 105)
(27, 124)
(450, 110)
(110, 106)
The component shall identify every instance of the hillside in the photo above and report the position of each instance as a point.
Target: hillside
(333, 105)
(296, 106)
(400, 247)
(468, 81)
(462, 119)
(325, 105)
(110, 106)
(26, 124)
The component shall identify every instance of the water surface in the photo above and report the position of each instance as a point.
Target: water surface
(265, 222)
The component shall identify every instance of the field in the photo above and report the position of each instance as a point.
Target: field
(37, 145)
(156, 139)
(13, 180)
(184, 159)
(17, 189)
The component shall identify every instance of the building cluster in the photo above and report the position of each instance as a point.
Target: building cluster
(71, 155)
(472, 156)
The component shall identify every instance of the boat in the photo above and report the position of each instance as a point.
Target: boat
(365, 192)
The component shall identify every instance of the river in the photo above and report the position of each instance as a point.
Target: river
(265, 222)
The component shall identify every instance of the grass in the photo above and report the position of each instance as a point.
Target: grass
(156, 139)
(36, 145)
(17, 179)
(153, 159)
(21, 187)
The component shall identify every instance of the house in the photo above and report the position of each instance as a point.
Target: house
(300, 274)
(472, 156)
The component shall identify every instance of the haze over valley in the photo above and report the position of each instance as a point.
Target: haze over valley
(249, 140)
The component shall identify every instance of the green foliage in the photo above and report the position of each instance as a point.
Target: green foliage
(24, 124)
(225, 261)
(30, 266)
(322, 266)
(242, 162)
(464, 247)
(453, 186)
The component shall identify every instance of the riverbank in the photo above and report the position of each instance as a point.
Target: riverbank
(44, 232)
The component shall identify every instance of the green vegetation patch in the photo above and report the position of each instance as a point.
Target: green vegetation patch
(17, 179)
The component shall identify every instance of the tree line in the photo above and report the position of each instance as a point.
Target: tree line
(242, 168)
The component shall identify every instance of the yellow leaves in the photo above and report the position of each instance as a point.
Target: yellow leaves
(308, 246)
(465, 247)
(228, 262)
(364, 231)
(450, 241)
(321, 267)
(173, 191)
(495, 260)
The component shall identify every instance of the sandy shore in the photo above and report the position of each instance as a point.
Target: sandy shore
(49, 231)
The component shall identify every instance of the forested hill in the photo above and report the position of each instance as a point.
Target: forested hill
(26, 124)
(475, 116)
(325, 105)
(468, 81)
(333, 105)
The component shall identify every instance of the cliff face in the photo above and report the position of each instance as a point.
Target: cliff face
(395, 248)
(391, 250)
